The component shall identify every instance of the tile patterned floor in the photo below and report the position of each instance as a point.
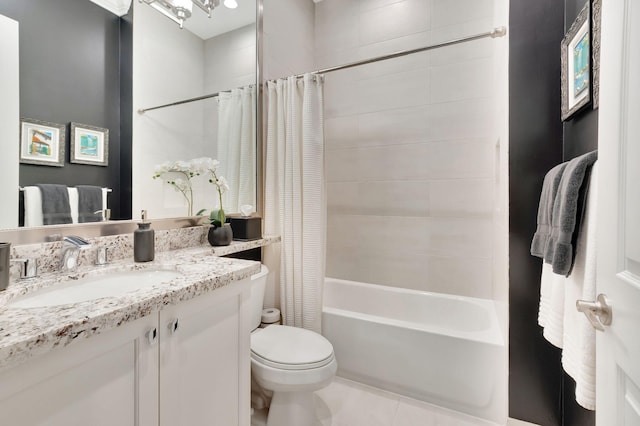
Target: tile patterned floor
(347, 403)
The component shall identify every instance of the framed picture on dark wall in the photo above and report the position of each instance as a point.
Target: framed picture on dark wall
(576, 64)
(596, 18)
(42, 143)
(89, 145)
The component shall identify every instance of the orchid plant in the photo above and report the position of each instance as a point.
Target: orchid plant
(186, 171)
(216, 217)
(168, 171)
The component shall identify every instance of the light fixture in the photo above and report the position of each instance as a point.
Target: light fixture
(230, 4)
(179, 10)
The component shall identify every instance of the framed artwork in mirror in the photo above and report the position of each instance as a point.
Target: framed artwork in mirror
(89, 145)
(42, 143)
(576, 65)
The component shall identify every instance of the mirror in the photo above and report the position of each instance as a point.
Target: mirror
(208, 56)
(84, 65)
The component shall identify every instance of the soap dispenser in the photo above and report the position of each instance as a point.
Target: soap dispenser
(143, 241)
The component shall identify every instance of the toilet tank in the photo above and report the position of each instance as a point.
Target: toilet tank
(256, 300)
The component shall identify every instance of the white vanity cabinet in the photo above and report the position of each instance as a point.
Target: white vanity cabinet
(106, 380)
(194, 370)
(205, 362)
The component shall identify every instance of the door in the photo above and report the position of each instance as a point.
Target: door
(618, 346)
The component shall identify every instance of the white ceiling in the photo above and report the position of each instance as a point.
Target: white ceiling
(222, 19)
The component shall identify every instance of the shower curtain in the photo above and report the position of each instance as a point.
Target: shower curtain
(295, 201)
(237, 146)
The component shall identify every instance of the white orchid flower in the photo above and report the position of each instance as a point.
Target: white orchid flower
(222, 184)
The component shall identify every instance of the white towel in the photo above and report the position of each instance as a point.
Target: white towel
(105, 206)
(551, 313)
(563, 325)
(579, 339)
(32, 206)
(73, 204)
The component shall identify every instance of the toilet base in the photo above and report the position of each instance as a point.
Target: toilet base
(292, 409)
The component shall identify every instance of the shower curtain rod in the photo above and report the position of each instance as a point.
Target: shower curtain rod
(496, 32)
(186, 101)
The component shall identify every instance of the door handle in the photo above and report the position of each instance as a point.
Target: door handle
(598, 312)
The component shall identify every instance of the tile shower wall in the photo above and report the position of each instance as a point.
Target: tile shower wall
(412, 145)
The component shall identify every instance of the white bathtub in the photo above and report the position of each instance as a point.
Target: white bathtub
(446, 350)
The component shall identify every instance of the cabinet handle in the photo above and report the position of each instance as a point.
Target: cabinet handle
(173, 326)
(152, 336)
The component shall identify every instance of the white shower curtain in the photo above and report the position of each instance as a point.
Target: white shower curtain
(295, 201)
(237, 146)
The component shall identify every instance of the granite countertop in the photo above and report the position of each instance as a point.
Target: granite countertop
(27, 332)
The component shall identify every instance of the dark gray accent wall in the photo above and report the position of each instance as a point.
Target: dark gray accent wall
(539, 390)
(126, 115)
(535, 145)
(70, 54)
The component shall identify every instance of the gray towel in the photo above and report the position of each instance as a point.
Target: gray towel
(55, 204)
(89, 201)
(559, 249)
(545, 209)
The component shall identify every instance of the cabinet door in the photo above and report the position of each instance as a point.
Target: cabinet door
(107, 380)
(204, 360)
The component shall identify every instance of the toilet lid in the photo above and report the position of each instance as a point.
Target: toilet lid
(291, 347)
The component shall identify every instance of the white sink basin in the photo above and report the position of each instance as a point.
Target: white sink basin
(94, 287)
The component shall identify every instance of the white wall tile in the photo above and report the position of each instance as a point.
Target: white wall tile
(341, 132)
(460, 237)
(463, 52)
(393, 127)
(401, 90)
(379, 198)
(393, 20)
(411, 144)
(461, 80)
(366, 5)
(341, 94)
(449, 12)
(393, 198)
(342, 198)
(456, 159)
(462, 119)
(464, 276)
(336, 26)
(393, 268)
(461, 198)
(416, 61)
(341, 165)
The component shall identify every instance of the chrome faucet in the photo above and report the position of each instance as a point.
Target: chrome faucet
(71, 247)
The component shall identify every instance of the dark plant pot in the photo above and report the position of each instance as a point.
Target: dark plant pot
(220, 235)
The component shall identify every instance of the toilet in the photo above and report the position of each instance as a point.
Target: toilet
(289, 363)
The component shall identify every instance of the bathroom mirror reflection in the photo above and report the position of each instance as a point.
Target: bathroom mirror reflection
(79, 63)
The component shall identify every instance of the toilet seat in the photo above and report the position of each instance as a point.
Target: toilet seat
(257, 358)
(290, 348)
